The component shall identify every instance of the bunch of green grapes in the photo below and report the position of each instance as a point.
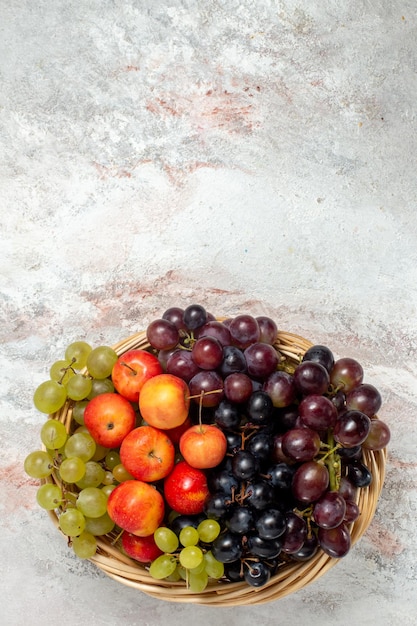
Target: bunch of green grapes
(68, 379)
(188, 556)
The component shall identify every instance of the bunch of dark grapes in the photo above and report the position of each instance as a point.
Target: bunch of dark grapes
(287, 486)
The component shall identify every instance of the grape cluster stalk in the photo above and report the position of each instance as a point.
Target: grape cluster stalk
(287, 486)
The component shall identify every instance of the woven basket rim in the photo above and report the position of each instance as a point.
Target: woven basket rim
(289, 578)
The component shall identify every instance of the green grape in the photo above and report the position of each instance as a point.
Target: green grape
(50, 396)
(163, 566)
(72, 469)
(107, 489)
(92, 502)
(49, 496)
(77, 353)
(100, 362)
(121, 474)
(166, 539)
(99, 525)
(99, 386)
(78, 387)
(78, 411)
(200, 568)
(182, 572)
(72, 522)
(93, 476)
(189, 536)
(112, 459)
(39, 464)
(197, 582)
(209, 530)
(174, 577)
(53, 434)
(80, 444)
(214, 568)
(191, 556)
(85, 545)
(61, 371)
(108, 478)
(100, 453)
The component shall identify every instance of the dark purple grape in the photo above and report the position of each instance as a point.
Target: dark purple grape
(245, 466)
(267, 328)
(346, 374)
(281, 388)
(238, 387)
(347, 489)
(329, 510)
(277, 455)
(350, 453)
(352, 511)
(257, 573)
(233, 361)
(227, 547)
(244, 331)
(301, 444)
(310, 481)
(260, 445)
(182, 521)
(307, 550)
(234, 572)
(285, 418)
(221, 480)
(217, 330)
(352, 428)
(259, 494)
(175, 315)
(270, 524)
(227, 415)
(217, 505)
(207, 353)
(378, 437)
(208, 387)
(358, 474)
(317, 412)
(194, 316)
(181, 364)
(339, 401)
(261, 359)
(259, 408)
(163, 356)
(234, 443)
(365, 398)
(239, 519)
(263, 548)
(162, 334)
(281, 476)
(320, 354)
(295, 534)
(311, 378)
(335, 542)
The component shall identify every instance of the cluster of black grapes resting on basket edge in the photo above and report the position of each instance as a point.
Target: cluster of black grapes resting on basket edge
(295, 434)
(295, 426)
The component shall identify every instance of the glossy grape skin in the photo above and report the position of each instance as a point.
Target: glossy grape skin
(322, 355)
(263, 548)
(239, 519)
(233, 361)
(317, 412)
(222, 480)
(329, 510)
(310, 481)
(378, 437)
(351, 428)
(238, 387)
(270, 524)
(295, 534)
(346, 374)
(365, 398)
(217, 505)
(281, 476)
(267, 328)
(281, 388)
(175, 315)
(194, 316)
(227, 415)
(358, 474)
(257, 574)
(245, 465)
(244, 331)
(261, 359)
(259, 494)
(307, 550)
(259, 408)
(207, 381)
(162, 334)
(311, 378)
(352, 511)
(347, 489)
(260, 445)
(180, 363)
(335, 542)
(301, 444)
(217, 330)
(207, 353)
(227, 547)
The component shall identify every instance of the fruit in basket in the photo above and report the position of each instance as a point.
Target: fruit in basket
(203, 446)
(147, 453)
(109, 417)
(164, 401)
(185, 489)
(131, 371)
(142, 549)
(137, 507)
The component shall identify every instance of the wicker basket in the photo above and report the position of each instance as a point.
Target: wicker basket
(290, 577)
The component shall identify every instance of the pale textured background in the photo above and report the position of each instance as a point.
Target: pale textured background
(251, 156)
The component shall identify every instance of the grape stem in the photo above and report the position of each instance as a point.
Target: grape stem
(332, 463)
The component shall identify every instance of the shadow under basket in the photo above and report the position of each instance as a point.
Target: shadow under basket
(291, 576)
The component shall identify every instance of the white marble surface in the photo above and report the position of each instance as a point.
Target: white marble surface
(251, 156)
